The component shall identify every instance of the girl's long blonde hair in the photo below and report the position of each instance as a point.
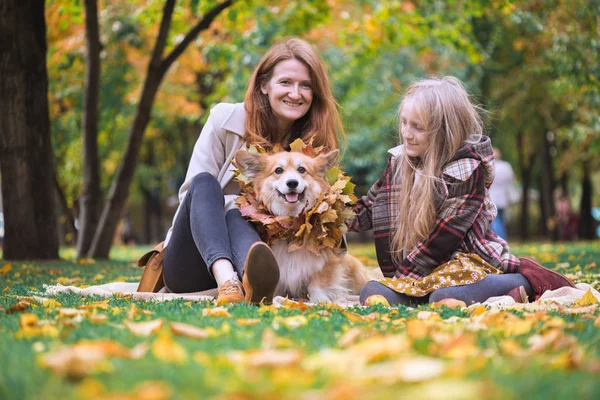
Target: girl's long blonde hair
(451, 119)
(322, 122)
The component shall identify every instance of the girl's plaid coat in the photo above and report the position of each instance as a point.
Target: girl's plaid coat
(463, 219)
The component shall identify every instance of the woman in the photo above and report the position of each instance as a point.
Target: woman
(210, 244)
(431, 209)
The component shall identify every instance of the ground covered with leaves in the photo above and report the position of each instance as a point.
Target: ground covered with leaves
(67, 346)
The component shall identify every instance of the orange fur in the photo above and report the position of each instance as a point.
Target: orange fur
(288, 183)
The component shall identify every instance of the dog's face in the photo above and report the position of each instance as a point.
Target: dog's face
(286, 182)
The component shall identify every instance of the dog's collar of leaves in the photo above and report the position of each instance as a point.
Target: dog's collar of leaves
(321, 227)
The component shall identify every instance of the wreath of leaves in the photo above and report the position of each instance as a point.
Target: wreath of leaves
(321, 227)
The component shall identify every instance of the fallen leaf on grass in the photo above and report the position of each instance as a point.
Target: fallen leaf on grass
(86, 357)
(554, 339)
(22, 305)
(292, 322)
(144, 329)
(587, 299)
(166, 349)
(31, 327)
(296, 305)
(98, 318)
(270, 340)
(512, 348)
(266, 358)
(152, 390)
(377, 348)
(460, 347)
(412, 369)
(247, 321)
(216, 312)
(5, 269)
(189, 331)
(70, 312)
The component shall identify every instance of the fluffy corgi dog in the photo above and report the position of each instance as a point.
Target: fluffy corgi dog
(286, 184)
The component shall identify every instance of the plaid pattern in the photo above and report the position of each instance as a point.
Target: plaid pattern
(462, 225)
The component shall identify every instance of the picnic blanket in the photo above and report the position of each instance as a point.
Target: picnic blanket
(564, 296)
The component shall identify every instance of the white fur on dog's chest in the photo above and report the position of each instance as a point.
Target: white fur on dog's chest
(296, 269)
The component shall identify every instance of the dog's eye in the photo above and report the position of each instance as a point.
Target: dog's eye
(301, 170)
(279, 170)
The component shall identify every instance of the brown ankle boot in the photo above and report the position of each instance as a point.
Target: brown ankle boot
(540, 277)
(261, 274)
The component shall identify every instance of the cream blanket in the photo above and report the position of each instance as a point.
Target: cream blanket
(564, 296)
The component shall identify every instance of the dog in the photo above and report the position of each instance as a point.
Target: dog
(286, 184)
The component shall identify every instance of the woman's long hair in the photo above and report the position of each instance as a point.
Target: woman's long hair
(322, 122)
(451, 119)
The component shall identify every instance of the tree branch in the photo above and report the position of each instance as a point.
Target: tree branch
(163, 33)
(203, 24)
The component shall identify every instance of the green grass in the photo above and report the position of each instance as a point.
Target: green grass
(221, 365)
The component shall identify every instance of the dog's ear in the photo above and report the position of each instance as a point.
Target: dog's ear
(249, 163)
(327, 160)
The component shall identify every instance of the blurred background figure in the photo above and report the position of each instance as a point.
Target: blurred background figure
(567, 219)
(500, 192)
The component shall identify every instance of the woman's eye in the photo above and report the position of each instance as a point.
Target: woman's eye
(284, 82)
(301, 170)
(279, 170)
(306, 85)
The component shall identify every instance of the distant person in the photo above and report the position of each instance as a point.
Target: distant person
(567, 220)
(500, 192)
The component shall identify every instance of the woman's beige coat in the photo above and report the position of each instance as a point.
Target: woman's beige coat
(221, 137)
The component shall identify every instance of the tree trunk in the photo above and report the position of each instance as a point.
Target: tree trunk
(26, 162)
(91, 196)
(526, 163)
(547, 193)
(66, 218)
(587, 225)
(157, 68)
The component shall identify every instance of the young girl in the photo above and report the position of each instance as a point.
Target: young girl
(431, 211)
(210, 244)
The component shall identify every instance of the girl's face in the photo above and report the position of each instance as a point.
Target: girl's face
(290, 92)
(412, 128)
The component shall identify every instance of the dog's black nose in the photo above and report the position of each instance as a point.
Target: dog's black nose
(292, 183)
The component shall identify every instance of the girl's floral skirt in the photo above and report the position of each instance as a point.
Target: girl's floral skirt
(463, 269)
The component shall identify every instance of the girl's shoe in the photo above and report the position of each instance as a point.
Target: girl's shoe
(519, 294)
(540, 277)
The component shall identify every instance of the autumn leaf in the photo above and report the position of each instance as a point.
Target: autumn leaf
(166, 349)
(216, 312)
(144, 329)
(189, 331)
(587, 299)
(20, 306)
(5, 269)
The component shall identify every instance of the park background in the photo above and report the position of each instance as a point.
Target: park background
(102, 102)
(127, 98)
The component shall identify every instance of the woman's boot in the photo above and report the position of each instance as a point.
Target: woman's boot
(261, 274)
